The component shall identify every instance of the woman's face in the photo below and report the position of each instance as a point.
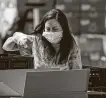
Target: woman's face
(53, 31)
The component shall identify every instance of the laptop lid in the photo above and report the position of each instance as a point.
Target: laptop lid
(53, 82)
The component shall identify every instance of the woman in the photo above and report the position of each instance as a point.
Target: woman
(53, 45)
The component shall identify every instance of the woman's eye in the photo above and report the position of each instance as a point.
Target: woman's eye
(55, 29)
(47, 29)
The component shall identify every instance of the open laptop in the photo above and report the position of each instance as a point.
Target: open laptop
(47, 84)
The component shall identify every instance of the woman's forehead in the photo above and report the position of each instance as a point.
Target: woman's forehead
(52, 22)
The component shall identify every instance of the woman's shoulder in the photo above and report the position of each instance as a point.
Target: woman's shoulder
(74, 39)
(76, 49)
(75, 55)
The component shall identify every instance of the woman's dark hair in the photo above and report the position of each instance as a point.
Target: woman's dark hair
(66, 43)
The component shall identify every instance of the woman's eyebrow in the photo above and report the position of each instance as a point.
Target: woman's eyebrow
(47, 27)
(57, 27)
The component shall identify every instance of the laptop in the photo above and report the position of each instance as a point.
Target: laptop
(46, 84)
(6, 91)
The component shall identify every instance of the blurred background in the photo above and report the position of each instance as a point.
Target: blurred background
(87, 21)
(86, 18)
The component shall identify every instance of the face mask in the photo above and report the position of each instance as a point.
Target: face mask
(53, 37)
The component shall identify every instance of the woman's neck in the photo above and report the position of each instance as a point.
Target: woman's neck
(56, 47)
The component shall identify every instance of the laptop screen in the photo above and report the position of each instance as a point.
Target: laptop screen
(53, 82)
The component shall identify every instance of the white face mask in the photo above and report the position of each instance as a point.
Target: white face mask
(53, 37)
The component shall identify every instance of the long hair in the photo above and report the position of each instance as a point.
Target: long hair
(66, 44)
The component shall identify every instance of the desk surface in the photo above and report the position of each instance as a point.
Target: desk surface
(96, 93)
(6, 91)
